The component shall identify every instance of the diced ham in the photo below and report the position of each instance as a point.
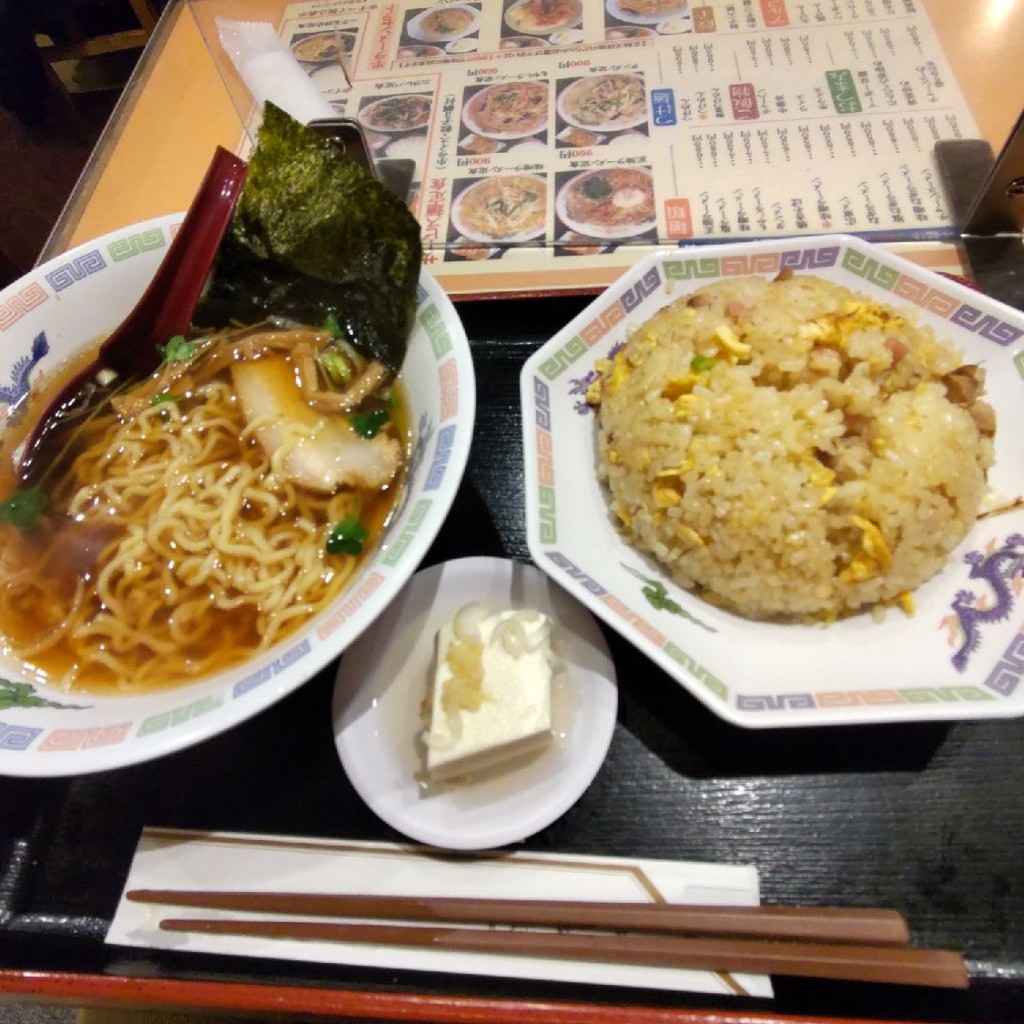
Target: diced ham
(898, 349)
(964, 385)
(984, 417)
(854, 423)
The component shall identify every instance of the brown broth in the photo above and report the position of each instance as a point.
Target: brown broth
(62, 552)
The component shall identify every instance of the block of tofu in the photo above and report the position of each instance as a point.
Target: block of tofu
(491, 694)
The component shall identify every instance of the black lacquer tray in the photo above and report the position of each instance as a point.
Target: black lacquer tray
(924, 818)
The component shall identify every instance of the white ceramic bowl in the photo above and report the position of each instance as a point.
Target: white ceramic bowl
(768, 675)
(83, 294)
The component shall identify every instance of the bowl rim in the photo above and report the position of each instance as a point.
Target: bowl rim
(874, 261)
(101, 757)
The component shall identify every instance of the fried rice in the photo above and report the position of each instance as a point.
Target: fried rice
(790, 449)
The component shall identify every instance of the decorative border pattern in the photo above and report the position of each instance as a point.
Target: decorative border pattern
(132, 245)
(409, 531)
(860, 698)
(17, 737)
(902, 286)
(21, 303)
(64, 275)
(351, 605)
(638, 622)
(57, 740)
(448, 379)
(78, 269)
(1006, 675)
(62, 740)
(179, 716)
(440, 341)
(276, 667)
(442, 454)
(699, 268)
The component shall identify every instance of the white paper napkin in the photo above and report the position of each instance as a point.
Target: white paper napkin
(170, 859)
(270, 71)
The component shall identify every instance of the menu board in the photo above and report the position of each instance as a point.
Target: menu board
(555, 134)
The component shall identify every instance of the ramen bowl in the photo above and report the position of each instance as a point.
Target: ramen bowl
(63, 306)
(957, 656)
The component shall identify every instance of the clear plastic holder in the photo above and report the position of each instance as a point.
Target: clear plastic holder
(623, 130)
(207, 14)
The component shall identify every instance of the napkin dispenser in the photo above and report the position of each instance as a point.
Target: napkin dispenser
(394, 173)
(986, 193)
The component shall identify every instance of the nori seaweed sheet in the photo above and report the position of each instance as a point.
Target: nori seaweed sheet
(314, 234)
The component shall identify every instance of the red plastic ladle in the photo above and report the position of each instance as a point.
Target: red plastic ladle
(164, 310)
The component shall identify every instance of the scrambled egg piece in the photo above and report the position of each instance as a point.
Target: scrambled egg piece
(689, 535)
(834, 329)
(821, 476)
(730, 343)
(611, 376)
(679, 386)
(874, 553)
(668, 486)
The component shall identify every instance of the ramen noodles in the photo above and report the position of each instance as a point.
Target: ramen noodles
(202, 515)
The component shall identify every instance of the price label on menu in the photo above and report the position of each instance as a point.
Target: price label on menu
(555, 135)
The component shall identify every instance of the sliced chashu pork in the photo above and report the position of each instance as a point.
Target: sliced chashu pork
(333, 455)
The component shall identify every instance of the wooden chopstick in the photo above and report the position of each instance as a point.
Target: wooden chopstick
(871, 963)
(820, 924)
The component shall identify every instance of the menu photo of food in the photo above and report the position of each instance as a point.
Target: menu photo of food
(400, 112)
(418, 52)
(610, 204)
(594, 110)
(553, 22)
(495, 212)
(325, 56)
(317, 48)
(495, 116)
(397, 125)
(445, 28)
(632, 19)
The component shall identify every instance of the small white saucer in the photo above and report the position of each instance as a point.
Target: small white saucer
(383, 679)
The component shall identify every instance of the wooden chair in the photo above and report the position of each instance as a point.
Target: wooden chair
(80, 44)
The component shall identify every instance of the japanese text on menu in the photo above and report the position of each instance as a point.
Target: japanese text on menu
(573, 129)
